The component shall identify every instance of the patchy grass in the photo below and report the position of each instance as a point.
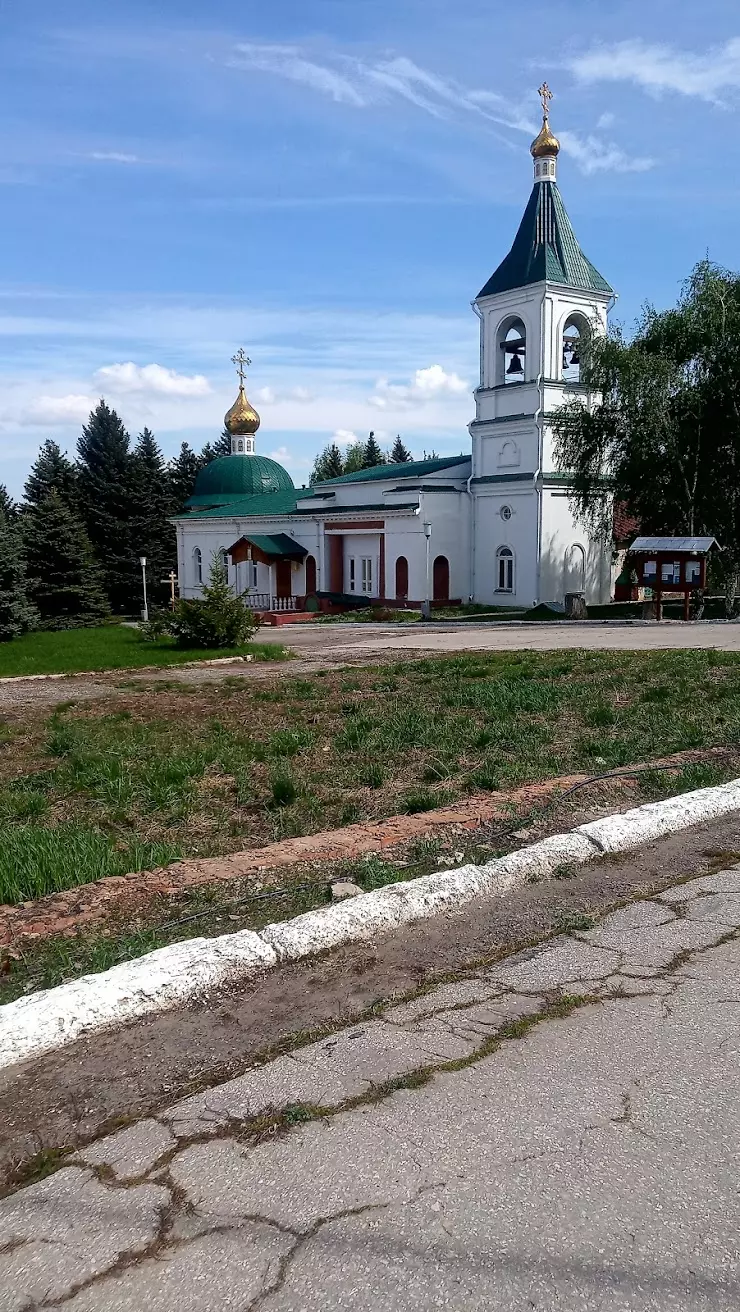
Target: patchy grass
(108, 786)
(109, 647)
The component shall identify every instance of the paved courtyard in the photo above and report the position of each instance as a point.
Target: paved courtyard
(315, 639)
(558, 1131)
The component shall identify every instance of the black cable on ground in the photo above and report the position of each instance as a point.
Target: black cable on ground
(537, 813)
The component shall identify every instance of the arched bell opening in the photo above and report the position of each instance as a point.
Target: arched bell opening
(576, 341)
(511, 352)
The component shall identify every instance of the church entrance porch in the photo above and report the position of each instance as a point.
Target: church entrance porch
(267, 571)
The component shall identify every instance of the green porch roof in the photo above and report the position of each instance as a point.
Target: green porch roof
(276, 544)
(409, 469)
(545, 250)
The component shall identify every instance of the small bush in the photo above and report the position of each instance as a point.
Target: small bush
(217, 619)
(283, 788)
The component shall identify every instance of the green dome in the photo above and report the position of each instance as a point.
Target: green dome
(230, 477)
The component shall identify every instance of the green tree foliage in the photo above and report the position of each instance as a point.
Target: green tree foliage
(212, 450)
(108, 504)
(354, 458)
(17, 614)
(215, 619)
(8, 508)
(182, 472)
(64, 582)
(667, 428)
(372, 454)
(151, 533)
(328, 464)
(400, 454)
(52, 471)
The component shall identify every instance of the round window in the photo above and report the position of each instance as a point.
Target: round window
(506, 512)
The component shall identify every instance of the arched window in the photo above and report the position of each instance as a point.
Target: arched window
(402, 578)
(310, 574)
(511, 352)
(240, 446)
(505, 569)
(575, 569)
(198, 565)
(223, 560)
(441, 579)
(576, 338)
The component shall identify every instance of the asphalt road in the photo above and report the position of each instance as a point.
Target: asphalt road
(334, 639)
(558, 1131)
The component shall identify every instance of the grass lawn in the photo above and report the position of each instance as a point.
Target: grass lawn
(162, 771)
(110, 647)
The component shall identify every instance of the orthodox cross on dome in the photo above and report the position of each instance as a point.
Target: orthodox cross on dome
(242, 363)
(545, 95)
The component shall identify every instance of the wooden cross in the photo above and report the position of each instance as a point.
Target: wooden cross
(241, 361)
(545, 95)
(172, 580)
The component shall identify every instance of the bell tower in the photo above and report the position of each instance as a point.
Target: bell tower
(537, 312)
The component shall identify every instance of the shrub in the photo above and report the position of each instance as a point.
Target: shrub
(217, 619)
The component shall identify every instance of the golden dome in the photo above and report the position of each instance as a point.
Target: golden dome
(241, 420)
(545, 143)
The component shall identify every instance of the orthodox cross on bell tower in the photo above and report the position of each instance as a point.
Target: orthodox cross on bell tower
(242, 362)
(545, 95)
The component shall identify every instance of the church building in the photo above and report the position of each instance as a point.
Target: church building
(492, 525)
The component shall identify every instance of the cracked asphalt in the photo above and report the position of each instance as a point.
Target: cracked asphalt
(556, 1131)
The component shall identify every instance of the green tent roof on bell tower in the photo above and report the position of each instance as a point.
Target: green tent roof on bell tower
(545, 250)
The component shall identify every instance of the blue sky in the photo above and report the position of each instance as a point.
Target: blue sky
(328, 183)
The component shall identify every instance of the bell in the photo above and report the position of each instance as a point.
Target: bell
(515, 365)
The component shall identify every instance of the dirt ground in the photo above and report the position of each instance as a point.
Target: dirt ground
(73, 1095)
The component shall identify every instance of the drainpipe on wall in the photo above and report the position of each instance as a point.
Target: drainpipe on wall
(472, 471)
(540, 443)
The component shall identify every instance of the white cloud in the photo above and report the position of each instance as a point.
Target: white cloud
(130, 377)
(291, 63)
(285, 456)
(114, 157)
(265, 396)
(593, 155)
(428, 384)
(72, 409)
(660, 69)
(362, 84)
(345, 437)
(269, 396)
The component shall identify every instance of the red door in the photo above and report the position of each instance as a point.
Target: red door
(282, 578)
(441, 579)
(402, 578)
(310, 575)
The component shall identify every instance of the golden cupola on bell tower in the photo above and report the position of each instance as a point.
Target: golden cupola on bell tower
(545, 148)
(241, 420)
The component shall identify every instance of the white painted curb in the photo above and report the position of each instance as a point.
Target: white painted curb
(184, 971)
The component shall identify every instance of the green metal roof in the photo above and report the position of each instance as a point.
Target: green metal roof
(545, 249)
(277, 544)
(228, 477)
(268, 503)
(409, 469)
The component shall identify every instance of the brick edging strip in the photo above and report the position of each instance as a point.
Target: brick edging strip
(90, 905)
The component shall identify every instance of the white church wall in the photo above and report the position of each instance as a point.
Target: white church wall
(517, 532)
(565, 540)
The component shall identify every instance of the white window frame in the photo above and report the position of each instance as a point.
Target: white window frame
(366, 575)
(351, 563)
(504, 569)
(198, 565)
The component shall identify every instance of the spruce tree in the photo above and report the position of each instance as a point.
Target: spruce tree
(400, 454)
(372, 454)
(108, 505)
(17, 614)
(152, 535)
(51, 472)
(328, 464)
(64, 581)
(8, 508)
(222, 445)
(182, 472)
